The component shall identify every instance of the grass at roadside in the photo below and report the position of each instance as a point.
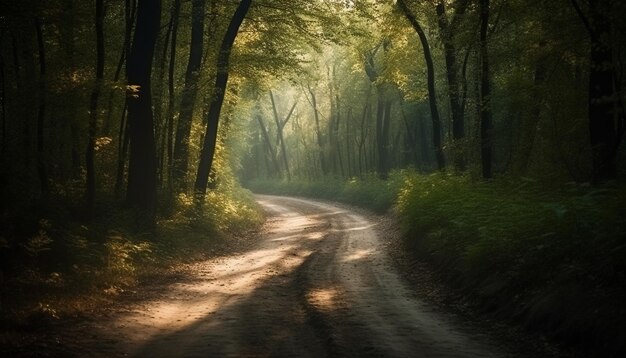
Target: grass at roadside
(371, 192)
(546, 257)
(552, 258)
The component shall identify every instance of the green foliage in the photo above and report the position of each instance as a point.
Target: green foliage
(65, 266)
(371, 192)
(520, 248)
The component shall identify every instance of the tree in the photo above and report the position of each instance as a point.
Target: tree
(219, 91)
(188, 98)
(41, 112)
(432, 93)
(142, 180)
(448, 28)
(606, 113)
(90, 193)
(280, 126)
(486, 130)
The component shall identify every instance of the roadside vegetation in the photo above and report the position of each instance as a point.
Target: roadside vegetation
(546, 257)
(69, 267)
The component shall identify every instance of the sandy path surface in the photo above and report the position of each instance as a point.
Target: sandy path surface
(317, 283)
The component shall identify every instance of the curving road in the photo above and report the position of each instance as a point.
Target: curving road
(317, 283)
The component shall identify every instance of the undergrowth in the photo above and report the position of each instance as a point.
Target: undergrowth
(370, 192)
(66, 267)
(552, 258)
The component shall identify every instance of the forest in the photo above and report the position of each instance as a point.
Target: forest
(134, 133)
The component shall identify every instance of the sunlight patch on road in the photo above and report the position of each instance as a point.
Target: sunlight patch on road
(325, 299)
(359, 228)
(359, 254)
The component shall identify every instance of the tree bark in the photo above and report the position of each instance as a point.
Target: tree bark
(432, 94)
(219, 91)
(604, 108)
(90, 193)
(41, 112)
(486, 131)
(3, 113)
(130, 12)
(318, 132)
(183, 129)
(141, 194)
(280, 125)
(268, 143)
(448, 29)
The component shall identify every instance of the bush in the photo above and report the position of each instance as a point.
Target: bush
(521, 249)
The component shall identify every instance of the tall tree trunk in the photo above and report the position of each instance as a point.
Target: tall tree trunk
(129, 19)
(162, 122)
(349, 143)
(219, 91)
(268, 143)
(3, 112)
(171, 101)
(448, 29)
(432, 95)
(380, 139)
(280, 125)
(384, 146)
(486, 131)
(337, 124)
(141, 194)
(528, 132)
(41, 112)
(130, 15)
(90, 193)
(183, 129)
(318, 132)
(604, 108)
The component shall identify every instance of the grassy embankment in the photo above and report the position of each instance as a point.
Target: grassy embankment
(54, 266)
(547, 258)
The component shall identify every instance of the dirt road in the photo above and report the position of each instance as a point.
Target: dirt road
(318, 283)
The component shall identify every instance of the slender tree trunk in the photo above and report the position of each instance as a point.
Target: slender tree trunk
(141, 193)
(183, 129)
(432, 95)
(268, 143)
(380, 140)
(280, 125)
(162, 121)
(528, 132)
(130, 12)
(384, 174)
(486, 132)
(318, 132)
(604, 99)
(122, 150)
(41, 112)
(3, 112)
(349, 143)
(458, 121)
(90, 193)
(219, 91)
(171, 101)
(337, 124)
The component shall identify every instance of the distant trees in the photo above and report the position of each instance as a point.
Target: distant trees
(493, 93)
(484, 87)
